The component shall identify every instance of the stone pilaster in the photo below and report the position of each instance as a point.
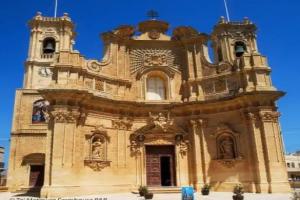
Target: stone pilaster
(61, 146)
(257, 151)
(198, 153)
(273, 150)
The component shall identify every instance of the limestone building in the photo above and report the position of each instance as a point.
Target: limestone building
(293, 167)
(155, 111)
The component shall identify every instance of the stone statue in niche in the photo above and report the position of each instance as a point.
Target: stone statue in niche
(227, 148)
(185, 91)
(98, 149)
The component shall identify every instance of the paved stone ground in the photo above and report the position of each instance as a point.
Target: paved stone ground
(129, 196)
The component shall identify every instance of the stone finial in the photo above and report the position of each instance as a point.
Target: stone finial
(222, 20)
(246, 20)
(38, 13)
(66, 14)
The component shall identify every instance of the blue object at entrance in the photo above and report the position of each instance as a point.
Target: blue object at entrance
(187, 193)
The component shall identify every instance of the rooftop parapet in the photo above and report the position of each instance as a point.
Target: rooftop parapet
(38, 18)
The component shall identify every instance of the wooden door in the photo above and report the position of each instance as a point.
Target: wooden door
(154, 165)
(153, 170)
(36, 177)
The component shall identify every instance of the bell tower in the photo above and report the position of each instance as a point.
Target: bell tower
(49, 35)
(232, 40)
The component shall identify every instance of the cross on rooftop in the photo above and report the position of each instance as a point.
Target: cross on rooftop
(152, 14)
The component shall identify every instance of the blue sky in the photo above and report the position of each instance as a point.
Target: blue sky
(278, 38)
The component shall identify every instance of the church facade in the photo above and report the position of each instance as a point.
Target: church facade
(154, 111)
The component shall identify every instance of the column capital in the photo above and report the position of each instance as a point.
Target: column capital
(269, 116)
(251, 116)
(198, 122)
(66, 114)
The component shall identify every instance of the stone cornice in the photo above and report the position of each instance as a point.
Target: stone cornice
(90, 102)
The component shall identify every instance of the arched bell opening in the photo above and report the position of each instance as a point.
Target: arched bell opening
(239, 48)
(49, 45)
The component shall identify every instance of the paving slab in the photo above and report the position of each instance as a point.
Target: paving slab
(170, 196)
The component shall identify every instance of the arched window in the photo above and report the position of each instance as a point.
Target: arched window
(39, 111)
(155, 88)
(48, 46)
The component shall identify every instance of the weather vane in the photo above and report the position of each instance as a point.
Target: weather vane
(152, 14)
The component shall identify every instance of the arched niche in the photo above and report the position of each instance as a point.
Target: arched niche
(227, 143)
(226, 146)
(97, 144)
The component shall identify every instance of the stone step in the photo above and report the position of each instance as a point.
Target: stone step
(3, 188)
(163, 190)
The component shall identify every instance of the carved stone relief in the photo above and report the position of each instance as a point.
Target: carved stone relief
(123, 123)
(99, 85)
(161, 120)
(94, 66)
(63, 115)
(220, 85)
(88, 83)
(269, 116)
(154, 34)
(208, 88)
(155, 60)
(97, 165)
(145, 58)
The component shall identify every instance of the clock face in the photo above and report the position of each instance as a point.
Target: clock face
(45, 72)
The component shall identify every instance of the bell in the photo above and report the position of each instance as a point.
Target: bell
(49, 48)
(239, 50)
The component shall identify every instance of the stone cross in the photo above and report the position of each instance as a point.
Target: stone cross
(152, 14)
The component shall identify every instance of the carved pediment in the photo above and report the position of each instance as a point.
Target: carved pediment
(223, 128)
(98, 130)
